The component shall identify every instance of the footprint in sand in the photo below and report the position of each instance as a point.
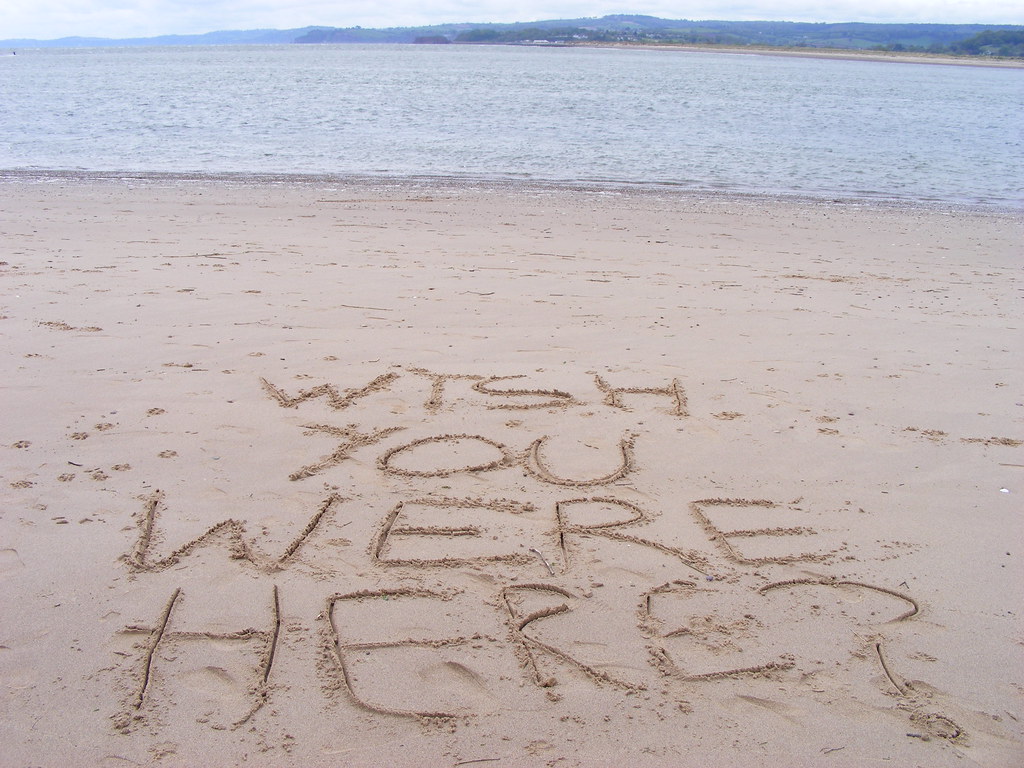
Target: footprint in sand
(10, 561)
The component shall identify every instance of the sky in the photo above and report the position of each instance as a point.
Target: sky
(49, 19)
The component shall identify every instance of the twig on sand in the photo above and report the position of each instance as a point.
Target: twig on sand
(547, 565)
(888, 673)
(357, 306)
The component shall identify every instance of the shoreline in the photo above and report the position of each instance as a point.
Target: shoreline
(895, 57)
(506, 184)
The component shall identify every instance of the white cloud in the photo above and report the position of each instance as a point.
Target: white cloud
(47, 19)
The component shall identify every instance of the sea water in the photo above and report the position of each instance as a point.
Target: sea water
(703, 121)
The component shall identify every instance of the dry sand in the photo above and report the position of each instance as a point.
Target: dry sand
(419, 474)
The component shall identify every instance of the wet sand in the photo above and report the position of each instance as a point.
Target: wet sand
(427, 474)
(897, 57)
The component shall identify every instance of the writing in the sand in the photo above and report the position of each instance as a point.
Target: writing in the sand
(442, 531)
(518, 633)
(437, 395)
(437, 392)
(544, 541)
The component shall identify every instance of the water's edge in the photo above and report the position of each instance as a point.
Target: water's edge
(493, 185)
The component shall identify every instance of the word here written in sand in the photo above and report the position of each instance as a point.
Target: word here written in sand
(535, 633)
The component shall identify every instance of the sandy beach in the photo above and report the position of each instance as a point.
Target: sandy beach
(376, 473)
(844, 54)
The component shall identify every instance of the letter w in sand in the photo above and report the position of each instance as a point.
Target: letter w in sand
(229, 533)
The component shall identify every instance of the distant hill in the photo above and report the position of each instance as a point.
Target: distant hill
(970, 39)
(650, 29)
(229, 37)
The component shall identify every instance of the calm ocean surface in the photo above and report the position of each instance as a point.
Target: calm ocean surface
(700, 121)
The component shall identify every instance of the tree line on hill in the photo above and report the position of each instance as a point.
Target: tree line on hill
(961, 39)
